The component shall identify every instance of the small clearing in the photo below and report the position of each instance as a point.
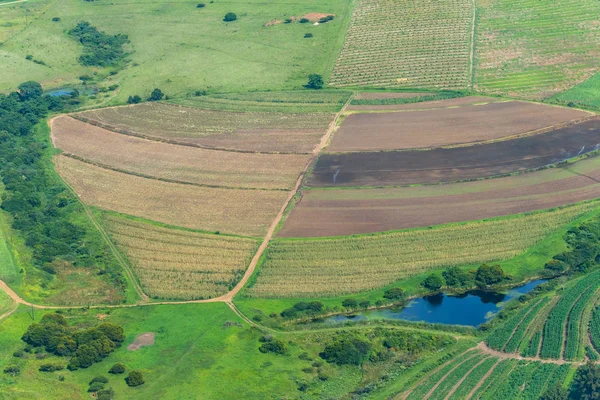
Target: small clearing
(141, 340)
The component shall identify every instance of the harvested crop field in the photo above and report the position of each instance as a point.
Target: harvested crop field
(447, 126)
(238, 211)
(179, 264)
(458, 163)
(173, 162)
(406, 43)
(250, 131)
(351, 211)
(336, 266)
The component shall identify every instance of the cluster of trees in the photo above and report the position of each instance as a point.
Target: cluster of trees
(585, 386)
(85, 347)
(41, 206)
(303, 309)
(583, 253)
(100, 49)
(346, 350)
(483, 277)
(156, 95)
(272, 345)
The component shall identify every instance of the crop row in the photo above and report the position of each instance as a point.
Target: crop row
(473, 378)
(595, 328)
(574, 325)
(444, 387)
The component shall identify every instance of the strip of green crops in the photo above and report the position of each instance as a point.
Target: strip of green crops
(499, 338)
(595, 328)
(473, 378)
(515, 341)
(538, 382)
(407, 100)
(511, 387)
(534, 345)
(574, 323)
(496, 378)
(452, 379)
(554, 328)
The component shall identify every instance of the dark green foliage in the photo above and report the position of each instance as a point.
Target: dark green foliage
(135, 378)
(101, 379)
(302, 308)
(586, 385)
(346, 351)
(365, 304)
(456, 277)
(326, 19)
(350, 303)
(304, 20)
(12, 370)
(100, 49)
(306, 36)
(315, 81)
(117, 369)
(200, 5)
(199, 93)
(30, 91)
(55, 19)
(51, 367)
(272, 345)
(433, 282)
(488, 275)
(411, 343)
(105, 394)
(584, 250)
(156, 95)
(134, 99)
(95, 386)
(230, 17)
(393, 294)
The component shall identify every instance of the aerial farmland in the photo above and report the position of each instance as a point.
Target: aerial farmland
(364, 199)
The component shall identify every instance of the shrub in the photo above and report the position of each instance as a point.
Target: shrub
(106, 394)
(273, 346)
(346, 351)
(308, 35)
(134, 99)
(393, 294)
(288, 21)
(200, 5)
(304, 20)
(326, 19)
(230, 17)
(156, 95)
(364, 304)
(18, 354)
(135, 378)
(101, 379)
(199, 93)
(117, 369)
(489, 275)
(289, 313)
(433, 282)
(315, 81)
(51, 367)
(100, 49)
(55, 19)
(350, 303)
(455, 277)
(12, 370)
(96, 386)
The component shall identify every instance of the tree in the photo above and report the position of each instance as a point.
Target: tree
(156, 95)
(555, 393)
(455, 276)
(349, 303)
(586, 385)
(230, 17)
(315, 81)
(135, 378)
(30, 90)
(489, 275)
(117, 369)
(105, 394)
(346, 351)
(433, 282)
(273, 346)
(12, 370)
(200, 5)
(134, 99)
(393, 294)
(365, 304)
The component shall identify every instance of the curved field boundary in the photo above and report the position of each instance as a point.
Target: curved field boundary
(465, 376)
(483, 379)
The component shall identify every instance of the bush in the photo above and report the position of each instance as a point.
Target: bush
(95, 386)
(18, 354)
(308, 35)
(100, 49)
(456, 277)
(135, 378)
(51, 367)
(200, 5)
(134, 99)
(230, 17)
(315, 81)
(156, 95)
(199, 93)
(304, 20)
(489, 275)
(393, 294)
(350, 303)
(106, 394)
(12, 370)
(287, 21)
(55, 19)
(326, 19)
(433, 282)
(346, 351)
(364, 304)
(101, 379)
(117, 369)
(273, 346)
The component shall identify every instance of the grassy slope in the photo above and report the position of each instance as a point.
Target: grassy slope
(585, 95)
(180, 48)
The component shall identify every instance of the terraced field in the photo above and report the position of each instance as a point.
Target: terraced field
(535, 48)
(179, 264)
(334, 266)
(251, 131)
(176, 163)
(406, 43)
(238, 211)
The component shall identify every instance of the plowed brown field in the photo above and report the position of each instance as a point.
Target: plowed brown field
(238, 211)
(455, 164)
(349, 211)
(173, 162)
(445, 126)
(249, 131)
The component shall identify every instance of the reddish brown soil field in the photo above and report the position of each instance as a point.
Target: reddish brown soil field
(426, 105)
(446, 126)
(455, 164)
(388, 95)
(351, 211)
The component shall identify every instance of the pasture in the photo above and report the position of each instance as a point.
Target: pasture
(457, 163)
(176, 46)
(408, 44)
(179, 264)
(443, 124)
(535, 48)
(351, 264)
(238, 211)
(351, 211)
(176, 163)
(252, 131)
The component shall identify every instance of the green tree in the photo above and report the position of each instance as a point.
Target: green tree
(489, 275)
(12, 370)
(555, 393)
(134, 99)
(156, 95)
(30, 90)
(117, 369)
(135, 378)
(586, 385)
(455, 277)
(393, 293)
(350, 303)
(315, 81)
(346, 351)
(230, 17)
(433, 282)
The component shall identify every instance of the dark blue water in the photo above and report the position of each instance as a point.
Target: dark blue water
(471, 309)
(60, 92)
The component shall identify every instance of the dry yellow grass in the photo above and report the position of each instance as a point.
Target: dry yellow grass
(238, 211)
(174, 162)
(178, 264)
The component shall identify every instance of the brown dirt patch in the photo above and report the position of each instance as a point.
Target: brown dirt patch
(455, 164)
(315, 17)
(445, 126)
(351, 211)
(101, 316)
(141, 340)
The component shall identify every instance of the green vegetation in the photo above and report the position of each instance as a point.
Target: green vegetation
(584, 95)
(100, 49)
(443, 95)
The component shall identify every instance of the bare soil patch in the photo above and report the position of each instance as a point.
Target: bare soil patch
(174, 162)
(455, 164)
(351, 211)
(446, 126)
(315, 17)
(141, 340)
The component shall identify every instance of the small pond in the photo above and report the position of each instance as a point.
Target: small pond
(60, 92)
(472, 308)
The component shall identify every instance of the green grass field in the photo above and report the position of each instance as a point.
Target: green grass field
(176, 46)
(585, 95)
